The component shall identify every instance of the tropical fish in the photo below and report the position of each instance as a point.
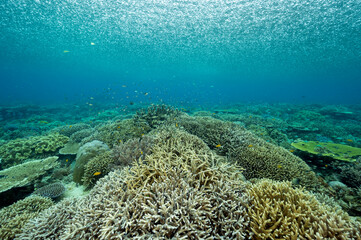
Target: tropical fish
(66, 51)
(97, 173)
(250, 145)
(219, 145)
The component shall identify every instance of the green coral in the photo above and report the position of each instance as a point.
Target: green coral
(18, 150)
(14, 217)
(25, 173)
(329, 149)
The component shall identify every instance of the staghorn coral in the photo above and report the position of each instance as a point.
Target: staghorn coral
(182, 195)
(278, 211)
(14, 217)
(26, 173)
(53, 190)
(15, 151)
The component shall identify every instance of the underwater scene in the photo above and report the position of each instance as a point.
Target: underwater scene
(180, 119)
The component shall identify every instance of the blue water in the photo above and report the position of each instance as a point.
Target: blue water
(214, 51)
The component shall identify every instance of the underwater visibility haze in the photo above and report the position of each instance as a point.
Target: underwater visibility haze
(210, 51)
(180, 119)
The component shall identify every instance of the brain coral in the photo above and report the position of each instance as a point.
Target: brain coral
(15, 151)
(14, 217)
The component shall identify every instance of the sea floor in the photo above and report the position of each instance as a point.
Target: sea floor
(310, 154)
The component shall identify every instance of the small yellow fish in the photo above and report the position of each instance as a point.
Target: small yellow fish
(124, 85)
(145, 94)
(92, 43)
(349, 140)
(292, 150)
(66, 51)
(141, 152)
(279, 166)
(67, 160)
(70, 126)
(90, 104)
(219, 145)
(250, 116)
(142, 134)
(44, 122)
(118, 127)
(176, 124)
(250, 145)
(97, 173)
(120, 140)
(326, 165)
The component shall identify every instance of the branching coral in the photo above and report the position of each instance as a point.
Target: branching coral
(14, 217)
(259, 158)
(278, 211)
(181, 195)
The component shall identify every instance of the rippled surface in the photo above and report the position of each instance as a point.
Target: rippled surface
(260, 38)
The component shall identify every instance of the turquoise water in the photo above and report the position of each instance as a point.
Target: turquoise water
(193, 51)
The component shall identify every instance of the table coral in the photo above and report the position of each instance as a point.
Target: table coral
(23, 174)
(329, 149)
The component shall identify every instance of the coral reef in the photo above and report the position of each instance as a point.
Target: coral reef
(85, 153)
(156, 115)
(70, 148)
(15, 216)
(260, 158)
(123, 154)
(53, 190)
(351, 173)
(15, 151)
(119, 131)
(181, 193)
(97, 167)
(26, 173)
(69, 130)
(80, 135)
(328, 149)
(278, 211)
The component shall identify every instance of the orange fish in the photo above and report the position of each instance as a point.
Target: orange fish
(97, 173)
(219, 145)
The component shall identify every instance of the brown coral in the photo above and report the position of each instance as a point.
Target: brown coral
(14, 217)
(278, 211)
